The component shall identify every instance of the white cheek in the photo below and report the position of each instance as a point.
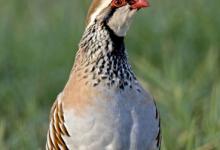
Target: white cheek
(121, 20)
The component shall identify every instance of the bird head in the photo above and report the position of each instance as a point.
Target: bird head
(117, 14)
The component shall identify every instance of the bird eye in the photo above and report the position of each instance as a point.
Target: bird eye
(131, 2)
(118, 3)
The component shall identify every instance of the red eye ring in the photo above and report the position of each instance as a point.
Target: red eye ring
(118, 3)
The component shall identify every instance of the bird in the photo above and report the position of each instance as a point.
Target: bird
(103, 106)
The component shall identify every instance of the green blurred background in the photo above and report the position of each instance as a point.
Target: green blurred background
(174, 47)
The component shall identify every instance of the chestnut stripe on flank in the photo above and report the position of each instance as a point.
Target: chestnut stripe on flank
(57, 129)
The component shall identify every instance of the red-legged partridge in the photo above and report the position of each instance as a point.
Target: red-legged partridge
(103, 106)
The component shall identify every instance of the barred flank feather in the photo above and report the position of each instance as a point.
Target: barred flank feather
(57, 129)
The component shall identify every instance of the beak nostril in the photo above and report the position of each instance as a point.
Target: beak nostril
(138, 4)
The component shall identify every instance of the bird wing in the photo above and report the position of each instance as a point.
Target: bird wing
(57, 129)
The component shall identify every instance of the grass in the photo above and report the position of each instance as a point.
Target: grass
(173, 46)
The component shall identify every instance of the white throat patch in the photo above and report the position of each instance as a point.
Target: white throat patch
(121, 20)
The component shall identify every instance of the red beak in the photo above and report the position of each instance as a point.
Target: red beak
(140, 4)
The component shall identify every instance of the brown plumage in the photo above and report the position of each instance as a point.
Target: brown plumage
(92, 9)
